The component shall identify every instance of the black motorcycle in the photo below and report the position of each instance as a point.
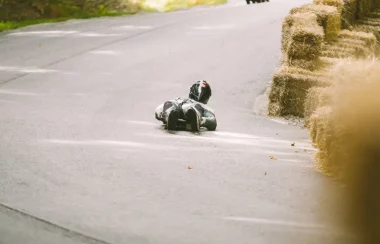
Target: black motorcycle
(256, 1)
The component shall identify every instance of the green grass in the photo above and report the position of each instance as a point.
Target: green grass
(10, 25)
(74, 13)
(173, 5)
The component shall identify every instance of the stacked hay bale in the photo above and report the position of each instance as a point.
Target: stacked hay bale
(312, 39)
(327, 16)
(302, 38)
(321, 129)
(348, 137)
(351, 44)
(370, 24)
(303, 34)
(334, 110)
(364, 7)
(340, 109)
(349, 13)
(289, 89)
(338, 4)
(316, 97)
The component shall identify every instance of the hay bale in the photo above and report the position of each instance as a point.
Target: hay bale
(303, 64)
(354, 103)
(349, 42)
(326, 64)
(316, 97)
(289, 92)
(300, 71)
(368, 38)
(364, 7)
(369, 21)
(347, 50)
(327, 16)
(374, 14)
(374, 30)
(319, 127)
(349, 13)
(301, 36)
(357, 117)
(336, 51)
(322, 133)
(322, 162)
(301, 50)
(336, 3)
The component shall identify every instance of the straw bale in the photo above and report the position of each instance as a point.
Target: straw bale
(357, 117)
(301, 50)
(336, 3)
(326, 64)
(316, 97)
(374, 14)
(303, 64)
(297, 70)
(369, 21)
(301, 36)
(289, 92)
(335, 51)
(374, 30)
(364, 7)
(346, 50)
(320, 127)
(322, 162)
(349, 13)
(367, 37)
(327, 16)
(339, 130)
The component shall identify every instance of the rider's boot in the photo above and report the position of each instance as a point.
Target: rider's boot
(194, 119)
(171, 115)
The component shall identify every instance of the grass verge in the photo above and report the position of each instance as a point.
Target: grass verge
(144, 5)
(10, 25)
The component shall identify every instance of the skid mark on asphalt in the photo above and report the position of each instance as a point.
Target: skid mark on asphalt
(133, 27)
(18, 93)
(106, 52)
(240, 139)
(215, 27)
(94, 34)
(111, 143)
(137, 122)
(63, 34)
(275, 222)
(297, 226)
(41, 33)
(97, 143)
(74, 33)
(28, 70)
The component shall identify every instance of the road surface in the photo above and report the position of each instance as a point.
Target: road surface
(83, 160)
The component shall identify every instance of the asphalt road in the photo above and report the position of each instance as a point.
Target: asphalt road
(83, 160)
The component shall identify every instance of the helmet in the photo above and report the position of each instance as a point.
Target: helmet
(200, 91)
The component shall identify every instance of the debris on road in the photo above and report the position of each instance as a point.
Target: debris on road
(273, 157)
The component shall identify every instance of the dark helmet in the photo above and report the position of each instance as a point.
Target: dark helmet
(200, 91)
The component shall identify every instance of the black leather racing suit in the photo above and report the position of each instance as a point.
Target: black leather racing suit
(206, 116)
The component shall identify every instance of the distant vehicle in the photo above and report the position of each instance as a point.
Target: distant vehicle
(256, 1)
